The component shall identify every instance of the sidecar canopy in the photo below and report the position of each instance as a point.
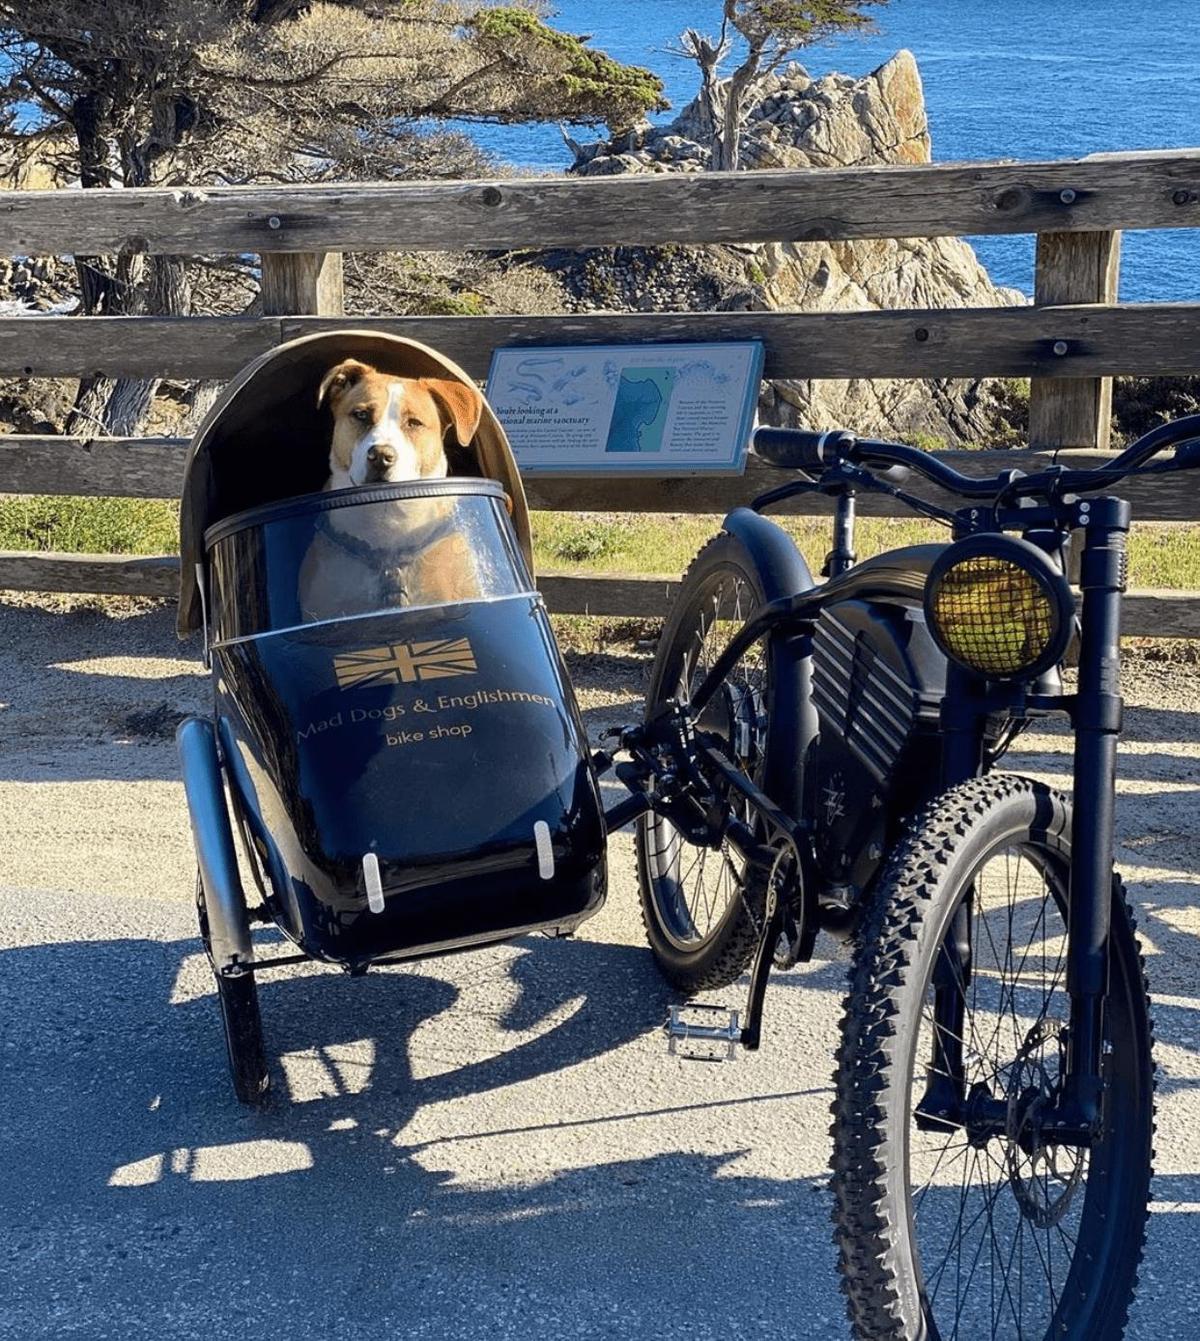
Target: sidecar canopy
(266, 439)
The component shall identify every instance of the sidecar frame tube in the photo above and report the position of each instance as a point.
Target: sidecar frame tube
(229, 942)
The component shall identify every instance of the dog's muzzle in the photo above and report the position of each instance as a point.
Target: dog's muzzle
(380, 459)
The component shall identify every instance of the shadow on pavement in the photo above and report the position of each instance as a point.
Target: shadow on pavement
(139, 1197)
(140, 1200)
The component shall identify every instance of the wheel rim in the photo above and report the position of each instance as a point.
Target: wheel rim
(696, 888)
(997, 1218)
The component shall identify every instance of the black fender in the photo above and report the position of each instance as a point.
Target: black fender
(229, 943)
(783, 572)
(780, 565)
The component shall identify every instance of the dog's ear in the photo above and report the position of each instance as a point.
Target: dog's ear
(460, 403)
(339, 379)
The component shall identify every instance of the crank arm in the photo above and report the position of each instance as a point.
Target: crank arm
(763, 958)
(719, 1042)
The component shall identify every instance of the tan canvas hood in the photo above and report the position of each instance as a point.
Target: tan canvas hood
(266, 439)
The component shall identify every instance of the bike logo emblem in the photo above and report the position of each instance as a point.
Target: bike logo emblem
(833, 798)
(405, 663)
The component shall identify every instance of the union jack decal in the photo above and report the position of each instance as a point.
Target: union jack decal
(405, 663)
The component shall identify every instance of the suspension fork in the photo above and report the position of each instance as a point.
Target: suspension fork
(963, 719)
(1097, 721)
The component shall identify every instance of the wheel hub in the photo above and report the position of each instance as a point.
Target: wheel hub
(1044, 1177)
(732, 714)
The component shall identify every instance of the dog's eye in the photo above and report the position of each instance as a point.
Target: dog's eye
(363, 416)
(413, 422)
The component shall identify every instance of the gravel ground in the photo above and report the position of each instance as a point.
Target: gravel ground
(493, 1144)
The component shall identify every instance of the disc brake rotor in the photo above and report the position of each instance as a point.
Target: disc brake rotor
(1044, 1178)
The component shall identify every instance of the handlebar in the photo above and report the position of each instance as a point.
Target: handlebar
(1172, 434)
(813, 453)
(802, 449)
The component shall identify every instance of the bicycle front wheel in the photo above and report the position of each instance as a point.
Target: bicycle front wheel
(983, 1226)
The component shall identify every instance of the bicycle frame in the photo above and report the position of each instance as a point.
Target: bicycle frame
(699, 779)
(1095, 713)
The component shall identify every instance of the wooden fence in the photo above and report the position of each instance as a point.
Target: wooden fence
(1071, 341)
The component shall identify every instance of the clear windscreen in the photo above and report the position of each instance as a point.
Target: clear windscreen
(334, 556)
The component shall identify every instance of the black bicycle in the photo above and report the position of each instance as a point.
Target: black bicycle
(824, 756)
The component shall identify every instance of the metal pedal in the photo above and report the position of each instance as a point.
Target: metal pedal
(708, 1042)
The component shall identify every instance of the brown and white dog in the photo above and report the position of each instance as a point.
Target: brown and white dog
(388, 428)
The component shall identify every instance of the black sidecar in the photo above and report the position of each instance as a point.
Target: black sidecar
(393, 733)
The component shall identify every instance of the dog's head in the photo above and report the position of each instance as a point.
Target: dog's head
(394, 428)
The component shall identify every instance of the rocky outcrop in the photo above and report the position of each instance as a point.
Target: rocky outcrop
(37, 284)
(799, 122)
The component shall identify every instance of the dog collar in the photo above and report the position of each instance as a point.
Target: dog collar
(368, 553)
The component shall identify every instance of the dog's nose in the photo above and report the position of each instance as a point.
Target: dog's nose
(382, 455)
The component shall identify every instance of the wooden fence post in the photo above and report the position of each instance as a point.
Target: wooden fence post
(302, 283)
(1073, 268)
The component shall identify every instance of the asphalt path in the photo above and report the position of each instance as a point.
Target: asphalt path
(484, 1145)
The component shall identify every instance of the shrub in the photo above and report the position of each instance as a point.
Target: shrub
(583, 541)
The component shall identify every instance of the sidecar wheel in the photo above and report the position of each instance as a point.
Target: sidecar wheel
(242, 1022)
(238, 999)
(703, 909)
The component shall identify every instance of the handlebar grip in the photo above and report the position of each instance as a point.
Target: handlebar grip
(800, 448)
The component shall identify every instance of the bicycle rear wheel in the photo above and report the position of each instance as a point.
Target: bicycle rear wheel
(703, 907)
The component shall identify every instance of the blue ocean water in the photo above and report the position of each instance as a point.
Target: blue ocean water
(1033, 79)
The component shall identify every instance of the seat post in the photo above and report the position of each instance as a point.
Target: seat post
(842, 555)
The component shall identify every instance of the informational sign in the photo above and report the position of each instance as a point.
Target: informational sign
(628, 409)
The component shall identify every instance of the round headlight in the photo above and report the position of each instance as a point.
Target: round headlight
(999, 606)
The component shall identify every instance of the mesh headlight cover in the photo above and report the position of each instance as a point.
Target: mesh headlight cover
(997, 615)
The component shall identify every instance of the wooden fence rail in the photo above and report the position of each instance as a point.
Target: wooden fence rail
(1079, 341)
(1098, 194)
(153, 468)
(1070, 342)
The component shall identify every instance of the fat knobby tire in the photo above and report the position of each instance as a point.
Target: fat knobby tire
(872, 1111)
(722, 957)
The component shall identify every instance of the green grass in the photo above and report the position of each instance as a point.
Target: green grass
(1165, 556)
(1161, 555)
(89, 525)
(637, 543)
